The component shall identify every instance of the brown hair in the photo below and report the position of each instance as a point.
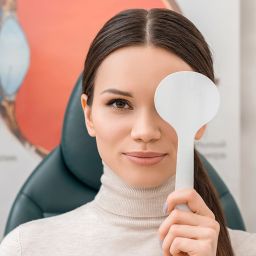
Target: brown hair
(172, 31)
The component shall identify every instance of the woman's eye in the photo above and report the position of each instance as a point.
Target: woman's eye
(119, 104)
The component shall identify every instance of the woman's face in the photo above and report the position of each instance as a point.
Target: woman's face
(123, 117)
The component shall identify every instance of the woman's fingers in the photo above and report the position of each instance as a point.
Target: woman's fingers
(191, 232)
(188, 233)
(192, 199)
(181, 238)
(186, 246)
(188, 218)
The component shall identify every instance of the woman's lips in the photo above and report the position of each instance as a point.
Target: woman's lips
(145, 158)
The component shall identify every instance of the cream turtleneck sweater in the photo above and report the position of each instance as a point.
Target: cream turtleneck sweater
(121, 220)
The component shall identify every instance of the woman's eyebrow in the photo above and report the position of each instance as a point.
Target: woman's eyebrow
(116, 91)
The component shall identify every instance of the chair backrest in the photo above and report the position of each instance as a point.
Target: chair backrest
(70, 176)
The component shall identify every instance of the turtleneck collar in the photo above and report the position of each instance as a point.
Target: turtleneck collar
(118, 197)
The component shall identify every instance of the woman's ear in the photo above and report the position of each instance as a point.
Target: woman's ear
(200, 132)
(87, 115)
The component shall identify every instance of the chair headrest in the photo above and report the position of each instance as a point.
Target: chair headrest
(79, 149)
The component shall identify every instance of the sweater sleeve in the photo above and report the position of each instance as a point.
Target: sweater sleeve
(243, 243)
(10, 245)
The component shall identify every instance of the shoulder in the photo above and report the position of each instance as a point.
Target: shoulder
(10, 246)
(243, 242)
(62, 221)
(41, 231)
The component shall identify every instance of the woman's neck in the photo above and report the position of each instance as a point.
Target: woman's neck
(118, 197)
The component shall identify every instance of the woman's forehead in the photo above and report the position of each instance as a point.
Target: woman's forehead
(134, 67)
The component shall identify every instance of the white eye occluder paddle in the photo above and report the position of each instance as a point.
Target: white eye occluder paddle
(187, 100)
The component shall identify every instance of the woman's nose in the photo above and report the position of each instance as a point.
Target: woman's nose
(146, 128)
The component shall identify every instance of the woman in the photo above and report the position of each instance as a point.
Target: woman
(126, 61)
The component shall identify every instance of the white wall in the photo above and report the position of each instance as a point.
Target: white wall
(219, 22)
(16, 163)
(241, 93)
(248, 112)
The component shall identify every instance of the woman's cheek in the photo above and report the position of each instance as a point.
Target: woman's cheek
(114, 125)
(111, 128)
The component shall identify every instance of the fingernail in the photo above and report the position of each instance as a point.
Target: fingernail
(165, 208)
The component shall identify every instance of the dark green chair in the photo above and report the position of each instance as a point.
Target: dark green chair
(70, 176)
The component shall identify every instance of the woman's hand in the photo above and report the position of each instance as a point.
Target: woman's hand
(189, 233)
